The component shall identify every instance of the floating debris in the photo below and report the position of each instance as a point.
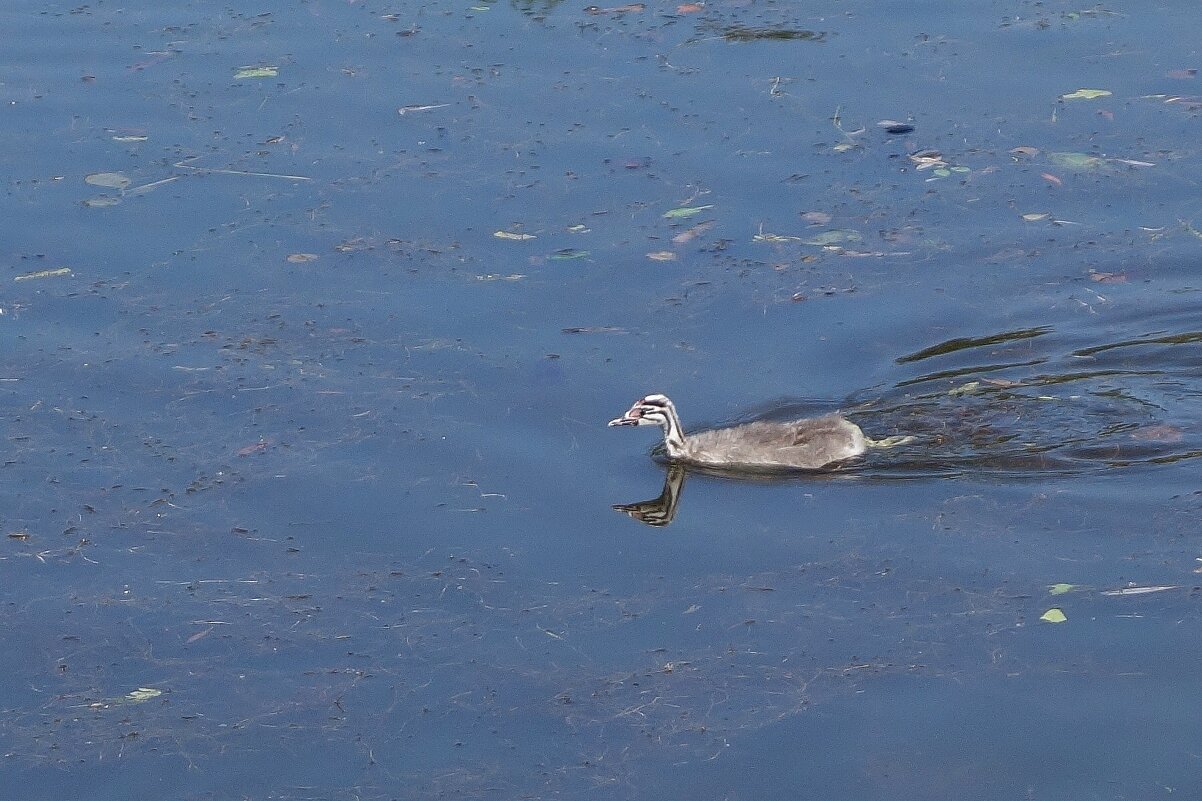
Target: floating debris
(43, 274)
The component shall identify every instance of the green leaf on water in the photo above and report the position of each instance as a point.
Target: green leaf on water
(685, 211)
(569, 253)
(262, 71)
(109, 180)
(1076, 161)
(142, 694)
(1086, 94)
(1061, 588)
(827, 238)
(1053, 615)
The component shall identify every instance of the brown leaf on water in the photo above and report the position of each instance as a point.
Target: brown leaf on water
(1158, 433)
(198, 635)
(684, 237)
(1051, 179)
(257, 447)
(689, 8)
(1108, 278)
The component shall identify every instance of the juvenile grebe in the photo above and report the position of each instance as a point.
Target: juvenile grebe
(806, 444)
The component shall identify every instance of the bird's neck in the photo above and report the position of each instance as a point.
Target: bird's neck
(674, 435)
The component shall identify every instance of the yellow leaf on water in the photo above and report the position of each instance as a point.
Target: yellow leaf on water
(43, 274)
(1053, 615)
(1060, 589)
(1086, 94)
(142, 694)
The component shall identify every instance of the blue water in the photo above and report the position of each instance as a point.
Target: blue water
(349, 513)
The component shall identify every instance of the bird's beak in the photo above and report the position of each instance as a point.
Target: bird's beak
(624, 420)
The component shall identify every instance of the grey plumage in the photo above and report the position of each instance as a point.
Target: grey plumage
(806, 444)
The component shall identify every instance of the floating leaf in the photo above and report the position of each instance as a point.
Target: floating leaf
(662, 255)
(1086, 94)
(1107, 278)
(1033, 217)
(301, 258)
(684, 237)
(1060, 589)
(512, 236)
(685, 211)
(142, 694)
(262, 71)
(926, 159)
(567, 254)
(102, 201)
(834, 237)
(43, 274)
(578, 229)
(1053, 615)
(254, 447)
(131, 138)
(109, 180)
(1076, 161)
(1024, 151)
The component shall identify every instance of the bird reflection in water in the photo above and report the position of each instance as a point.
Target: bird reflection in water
(659, 511)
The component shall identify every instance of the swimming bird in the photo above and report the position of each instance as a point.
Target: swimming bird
(806, 444)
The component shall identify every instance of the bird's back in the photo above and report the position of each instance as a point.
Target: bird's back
(804, 444)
